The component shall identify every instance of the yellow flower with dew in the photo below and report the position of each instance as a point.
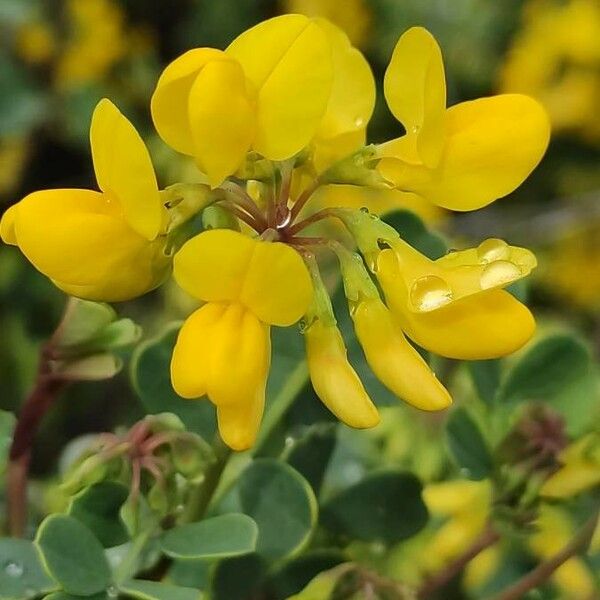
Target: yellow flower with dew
(463, 157)
(269, 121)
(106, 245)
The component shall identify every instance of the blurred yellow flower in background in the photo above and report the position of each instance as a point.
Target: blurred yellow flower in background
(556, 59)
(352, 16)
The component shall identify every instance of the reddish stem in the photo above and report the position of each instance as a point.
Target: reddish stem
(42, 397)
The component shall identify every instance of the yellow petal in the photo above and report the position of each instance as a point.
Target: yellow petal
(432, 284)
(492, 145)
(239, 425)
(379, 202)
(221, 119)
(191, 355)
(269, 278)
(124, 169)
(352, 96)
(288, 59)
(486, 325)
(394, 361)
(7, 226)
(78, 239)
(333, 378)
(212, 266)
(169, 103)
(415, 90)
(278, 287)
(453, 497)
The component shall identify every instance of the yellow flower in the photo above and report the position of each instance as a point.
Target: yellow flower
(562, 70)
(580, 469)
(355, 18)
(223, 350)
(464, 508)
(464, 157)
(96, 41)
(334, 380)
(554, 531)
(277, 87)
(35, 42)
(106, 245)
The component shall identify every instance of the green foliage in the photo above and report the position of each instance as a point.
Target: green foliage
(218, 537)
(98, 507)
(415, 232)
(546, 369)
(385, 506)
(21, 573)
(151, 380)
(486, 378)
(150, 590)
(73, 556)
(468, 446)
(281, 502)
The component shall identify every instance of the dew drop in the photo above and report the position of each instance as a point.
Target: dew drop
(499, 273)
(430, 292)
(416, 128)
(359, 122)
(14, 569)
(364, 209)
(493, 249)
(302, 326)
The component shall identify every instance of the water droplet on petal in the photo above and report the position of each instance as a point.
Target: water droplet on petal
(302, 326)
(429, 293)
(415, 128)
(492, 250)
(364, 209)
(499, 273)
(14, 569)
(359, 122)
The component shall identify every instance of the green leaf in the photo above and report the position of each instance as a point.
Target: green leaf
(63, 596)
(385, 506)
(310, 454)
(414, 231)
(73, 556)
(467, 445)
(218, 537)
(21, 573)
(238, 578)
(152, 590)
(486, 378)
(91, 368)
(98, 507)
(546, 369)
(84, 320)
(150, 375)
(280, 501)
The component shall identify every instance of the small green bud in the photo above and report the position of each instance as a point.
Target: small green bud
(359, 168)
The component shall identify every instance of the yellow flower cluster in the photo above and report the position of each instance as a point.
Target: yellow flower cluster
(281, 113)
(556, 58)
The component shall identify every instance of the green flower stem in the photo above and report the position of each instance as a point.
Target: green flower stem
(203, 494)
(544, 570)
(128, 566)
(42, 397)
